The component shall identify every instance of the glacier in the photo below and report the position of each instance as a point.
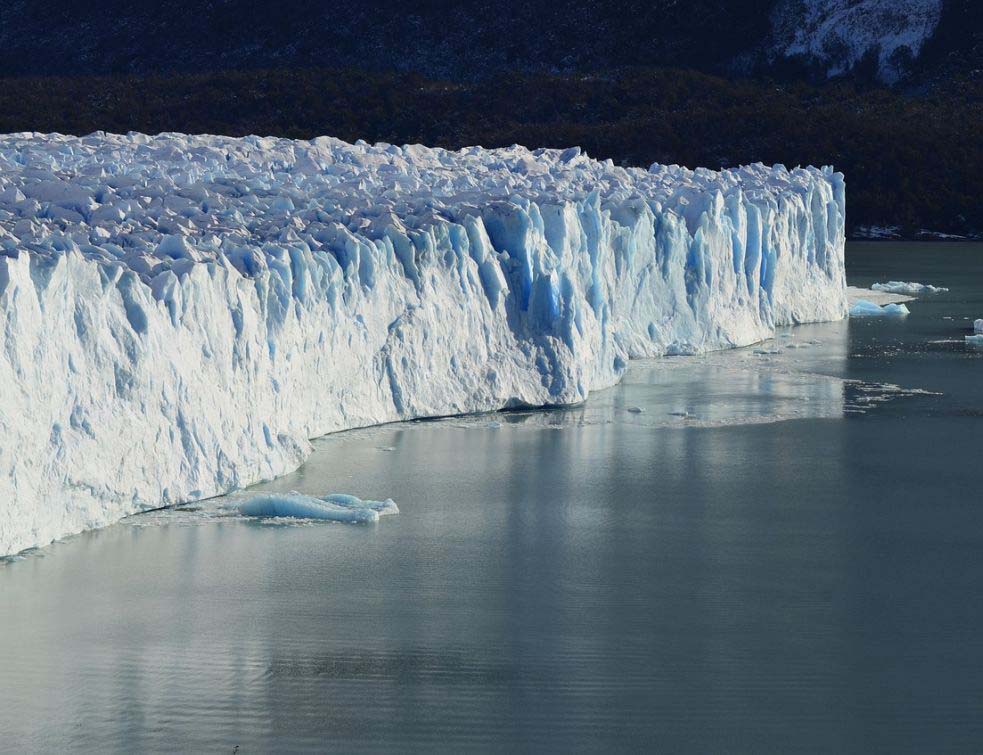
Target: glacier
(180, 314)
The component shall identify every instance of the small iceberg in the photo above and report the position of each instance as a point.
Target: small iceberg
(864, 308)
(908, 288)
(976, 340)
(335, 507)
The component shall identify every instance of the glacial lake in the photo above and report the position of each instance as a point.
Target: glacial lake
(775, 549)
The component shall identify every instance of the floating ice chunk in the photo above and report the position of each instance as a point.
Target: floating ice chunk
(864, 308)
(976, 341)
(383, 508)
(336, 507)
(855, 294)
(978, 327)
(908, 288)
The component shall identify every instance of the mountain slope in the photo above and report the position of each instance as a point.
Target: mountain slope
(838, 35)
(467, 40)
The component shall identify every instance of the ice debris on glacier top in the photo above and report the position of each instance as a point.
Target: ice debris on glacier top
(164, 203)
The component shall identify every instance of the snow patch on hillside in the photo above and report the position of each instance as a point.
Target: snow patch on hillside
(838, 34)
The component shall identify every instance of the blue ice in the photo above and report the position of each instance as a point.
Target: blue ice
(336, 507)
(864, 308)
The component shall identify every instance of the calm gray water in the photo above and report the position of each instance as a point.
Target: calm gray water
(694, 577)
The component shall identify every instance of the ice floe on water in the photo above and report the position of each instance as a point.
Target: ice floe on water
(335, 507)
(861, 396)
(864, 308)
(855, 294)
(976, 340)
(908, 288)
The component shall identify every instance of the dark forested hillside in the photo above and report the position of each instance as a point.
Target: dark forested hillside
(464, 39)
(461, 40)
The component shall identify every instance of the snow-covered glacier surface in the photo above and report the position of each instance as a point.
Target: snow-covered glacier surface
(180, 315)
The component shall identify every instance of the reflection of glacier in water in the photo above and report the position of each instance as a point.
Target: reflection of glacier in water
(803, 373)
(794, 376)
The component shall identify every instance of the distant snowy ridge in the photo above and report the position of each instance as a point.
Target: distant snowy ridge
(179, 315)
(838, 34)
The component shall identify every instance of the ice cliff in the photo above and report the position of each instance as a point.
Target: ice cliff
(180, 314)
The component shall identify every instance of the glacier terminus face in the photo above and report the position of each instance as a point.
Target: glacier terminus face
(181, 314)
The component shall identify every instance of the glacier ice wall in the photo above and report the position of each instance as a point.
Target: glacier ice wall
(179, 315)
